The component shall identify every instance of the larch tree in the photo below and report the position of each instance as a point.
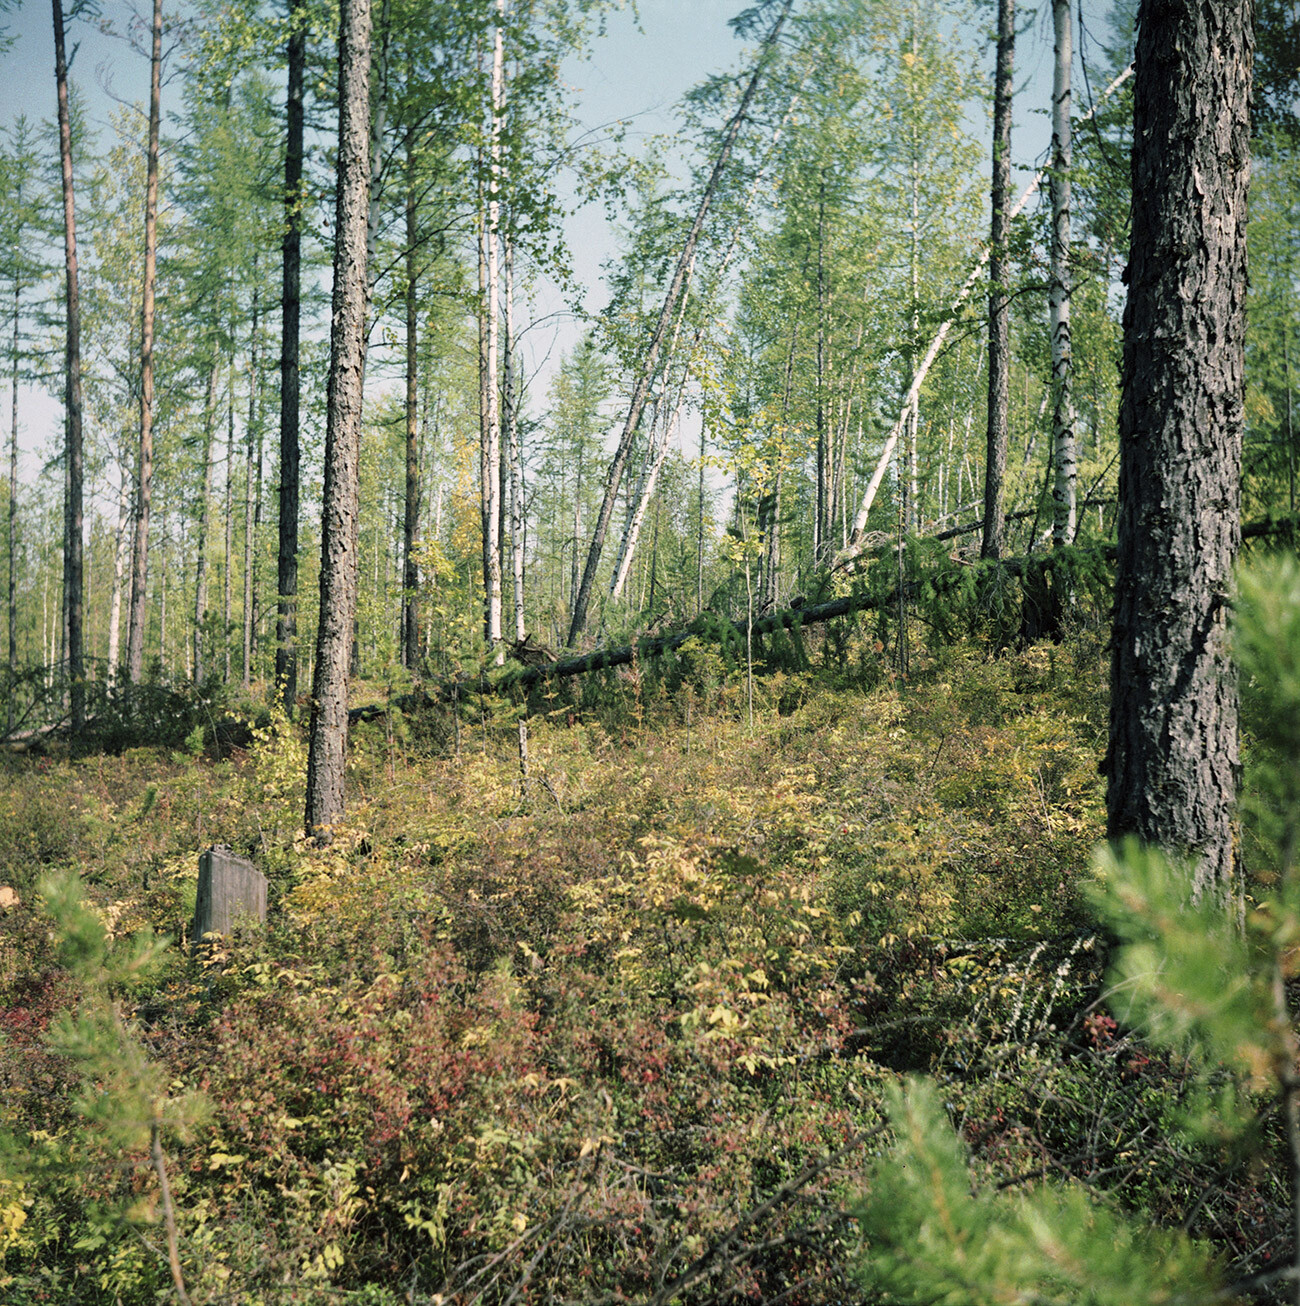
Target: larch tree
(286, 622)
(72, 517)
(338, 577)
(1172, 764)
(19, 217)
(144, 467)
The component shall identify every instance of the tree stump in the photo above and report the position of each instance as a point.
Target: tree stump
(230, 891)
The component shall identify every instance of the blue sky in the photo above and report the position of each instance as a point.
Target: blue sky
(636, 73)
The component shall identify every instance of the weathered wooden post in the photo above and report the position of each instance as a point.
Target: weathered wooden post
(230, 890)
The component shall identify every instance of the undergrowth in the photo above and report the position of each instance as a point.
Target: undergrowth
(616, 1029)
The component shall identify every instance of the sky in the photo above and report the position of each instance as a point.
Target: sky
(636, 73)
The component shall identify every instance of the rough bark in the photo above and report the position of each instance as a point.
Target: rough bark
(650, 364)
(999, 307)
(72, 518)
(286, 622)
(338, 578)
(1172, 764)
(1065, 453)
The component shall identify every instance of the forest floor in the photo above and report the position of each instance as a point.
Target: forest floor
(614, 1031)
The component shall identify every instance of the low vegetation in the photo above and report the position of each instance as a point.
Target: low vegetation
(630, 1024)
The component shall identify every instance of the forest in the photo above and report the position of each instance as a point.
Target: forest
(779, 785)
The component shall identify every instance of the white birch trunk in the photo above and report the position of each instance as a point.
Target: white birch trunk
(936, 344)
(513, 452)
(491, 454)
(119, 574)
(1064, 492)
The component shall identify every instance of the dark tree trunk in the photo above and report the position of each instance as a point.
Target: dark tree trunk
(821, 530)
(995, 465)
(1173, 729)
(72, 517)
(12, 535)
(286, 623)
(252, 464)
(411, 512)
(338, 574)
(144, 469)
(229, 542)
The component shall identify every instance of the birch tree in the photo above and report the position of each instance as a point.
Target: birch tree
(1065, 456)
(999, 307)
(650, 364)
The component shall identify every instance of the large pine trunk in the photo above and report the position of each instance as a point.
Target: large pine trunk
(338, 576)
(1173, 732)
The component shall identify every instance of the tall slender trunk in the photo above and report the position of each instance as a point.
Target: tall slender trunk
(201, 548)
(656, 452)
(913, 521)
(411, 513)
(1065, 459)
(821, 531)
(490, 454)
(995, 463)
(120, 547)
(162, 602)
(72, 517)
(699, 520)
(286, 624)
(1290, 416)
(577, 523)
(12, 536)
(251, 457)
(338, 577)
(1173, 758)
(514, 453)
(650, 363)
(144, 467)
(230, 520)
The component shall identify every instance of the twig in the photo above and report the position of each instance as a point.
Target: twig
(169, 1213)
